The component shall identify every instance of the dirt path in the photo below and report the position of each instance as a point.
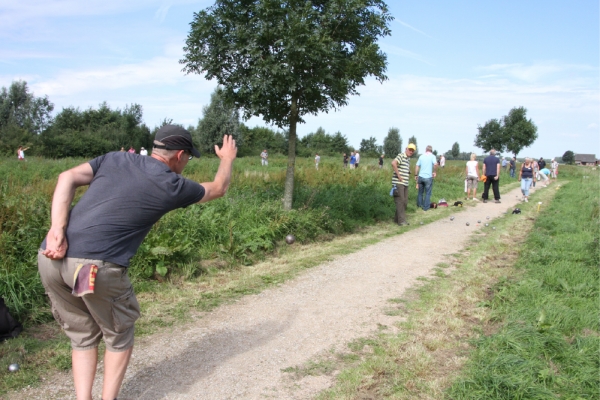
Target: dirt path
(239, 350)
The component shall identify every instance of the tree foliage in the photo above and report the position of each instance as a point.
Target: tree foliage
(92, 132)
(323, 143)
(455, 150)
(369, 147)
(392, 144)
(22, 116)
(283, 60)
(513, 132)
(568, 157)
(219, 119)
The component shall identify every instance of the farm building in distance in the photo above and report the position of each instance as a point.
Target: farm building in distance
(586, 159)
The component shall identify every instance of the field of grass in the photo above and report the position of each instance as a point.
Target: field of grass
(206, 250)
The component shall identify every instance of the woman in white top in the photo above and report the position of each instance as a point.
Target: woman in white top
(472, 176)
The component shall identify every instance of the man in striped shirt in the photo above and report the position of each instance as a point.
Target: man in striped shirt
(401, 167)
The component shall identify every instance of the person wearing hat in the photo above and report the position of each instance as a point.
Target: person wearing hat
(143, 151)
(84, 258)
(401, 167)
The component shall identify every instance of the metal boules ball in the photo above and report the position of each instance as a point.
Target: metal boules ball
(13, 367)
(478, 221)
(451, 218)
(487, 224)
(487, 217)
(493, 227)
(421, 223)
(290, 239)
(468, 224)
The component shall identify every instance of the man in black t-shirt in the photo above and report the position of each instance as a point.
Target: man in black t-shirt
(542, 163)
(491, 170)
(83, 260)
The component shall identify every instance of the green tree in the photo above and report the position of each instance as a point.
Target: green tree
(283, 60)
(369, 147)
(339, 143)
(568, 157)
(513, 132)
(392, 144)
(455, 150)
(219, 118)
(413, 140)
(519, 132)
(22, 116)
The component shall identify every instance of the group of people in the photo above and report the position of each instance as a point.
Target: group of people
(143, 151)
(354, 160)
(426, 170)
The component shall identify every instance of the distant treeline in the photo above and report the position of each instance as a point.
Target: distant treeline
(26, 120)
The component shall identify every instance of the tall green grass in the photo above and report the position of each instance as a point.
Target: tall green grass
(548, 343)
(240, 228)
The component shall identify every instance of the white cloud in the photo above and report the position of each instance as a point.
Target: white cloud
(162, 12)
(534, 72)
(593, 125)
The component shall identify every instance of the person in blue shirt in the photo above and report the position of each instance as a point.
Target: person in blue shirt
(425, 171)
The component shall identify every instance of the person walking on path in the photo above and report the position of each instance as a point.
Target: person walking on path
(472, 172)
(554, 166)
(400, 176)
(491, 170)
(526, 177)
(513, 166)
(84, 259)
(425, 171)
(442, 161)
(21, 153)
(357, 156)
(317, 160)
(264, 158)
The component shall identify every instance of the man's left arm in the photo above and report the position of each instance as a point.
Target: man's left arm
(497, 171)
(68, 181)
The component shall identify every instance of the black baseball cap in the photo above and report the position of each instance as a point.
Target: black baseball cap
(174, 137)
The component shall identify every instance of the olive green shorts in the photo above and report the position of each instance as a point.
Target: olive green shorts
(110, 312)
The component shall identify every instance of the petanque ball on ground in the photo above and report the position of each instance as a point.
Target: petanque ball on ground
(421, 223)
(487, 224)
(487, 217)
(493, 227)
(478, 221)
(13, 367)
(468, 224)
(290, 239)
(451, 218)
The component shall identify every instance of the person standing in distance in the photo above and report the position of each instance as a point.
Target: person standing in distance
(491, 170)
(472, 172)
(381, 161)
(21, 153)
(83, 260)
(425, 171)
(357, 157)
(143, 152)
(264, 158)
(317, 160)
(400, 176)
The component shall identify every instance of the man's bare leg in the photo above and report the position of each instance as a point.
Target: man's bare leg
(115, 365)
(84, 371)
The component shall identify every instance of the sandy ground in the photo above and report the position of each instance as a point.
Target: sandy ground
(238, 351)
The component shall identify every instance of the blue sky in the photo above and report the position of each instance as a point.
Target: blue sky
(452, 65)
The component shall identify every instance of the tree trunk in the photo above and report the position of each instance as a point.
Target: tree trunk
(288, 196)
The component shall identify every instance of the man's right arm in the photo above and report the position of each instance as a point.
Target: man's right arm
(218, 187)
(68, 181)
(395, 168)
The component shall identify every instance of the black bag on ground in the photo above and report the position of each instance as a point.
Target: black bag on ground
(9, 327)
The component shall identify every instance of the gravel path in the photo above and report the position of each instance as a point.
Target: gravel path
(238, 351)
